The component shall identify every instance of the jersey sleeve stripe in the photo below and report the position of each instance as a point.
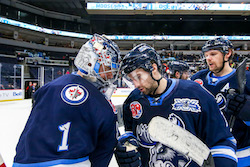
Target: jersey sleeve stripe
(224, 151)
(244, 152)
(232, 140)
(55, 162)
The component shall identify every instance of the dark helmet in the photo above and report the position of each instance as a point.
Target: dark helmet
(180, 66)
(141, 56)
(219, 43)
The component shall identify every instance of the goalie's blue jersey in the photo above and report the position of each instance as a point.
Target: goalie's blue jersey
(186, 104)
(71, 123)
(218, 86)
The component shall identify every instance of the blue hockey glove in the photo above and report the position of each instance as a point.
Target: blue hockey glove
(238, 105)
(126, 152)
(235, 102)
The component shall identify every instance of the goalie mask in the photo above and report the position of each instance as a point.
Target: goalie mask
(98, 60)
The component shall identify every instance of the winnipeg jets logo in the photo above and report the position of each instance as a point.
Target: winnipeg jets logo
(74, 94)
(186, 104)
(136, 109)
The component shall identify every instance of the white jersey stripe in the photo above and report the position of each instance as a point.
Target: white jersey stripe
(224, 152)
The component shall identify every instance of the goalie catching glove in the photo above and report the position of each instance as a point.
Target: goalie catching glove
(126, 152)
(238, 105)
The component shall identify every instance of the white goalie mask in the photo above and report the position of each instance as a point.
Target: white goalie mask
(98, 60)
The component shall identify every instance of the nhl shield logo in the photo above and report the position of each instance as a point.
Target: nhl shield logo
(136, 109)
(74, 94)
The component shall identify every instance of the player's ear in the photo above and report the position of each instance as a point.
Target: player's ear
(177, 74)
(154, 66)
(229, 55)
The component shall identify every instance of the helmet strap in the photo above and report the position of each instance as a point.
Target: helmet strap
(181, 75)
(157, 80)
(223, 65)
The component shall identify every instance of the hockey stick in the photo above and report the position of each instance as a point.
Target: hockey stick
(241, 75)
(241, 79)
(180, 140)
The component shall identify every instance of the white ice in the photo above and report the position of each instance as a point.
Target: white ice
(13, 117)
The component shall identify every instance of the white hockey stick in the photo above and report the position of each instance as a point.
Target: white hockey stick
(180, 140)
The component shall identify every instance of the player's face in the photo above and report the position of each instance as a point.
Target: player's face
(105, 72)
(214, 59)
(185, 75)
(143, 81)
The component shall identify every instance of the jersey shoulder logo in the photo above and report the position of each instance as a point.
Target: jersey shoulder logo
(199, 81)
(74, 94)
(136, 109)
(186, 104)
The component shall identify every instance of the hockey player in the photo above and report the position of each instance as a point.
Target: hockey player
(72, 122)
(178, 70)
(183, 102)
(218, 79)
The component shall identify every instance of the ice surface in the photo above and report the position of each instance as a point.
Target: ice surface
(13, 117)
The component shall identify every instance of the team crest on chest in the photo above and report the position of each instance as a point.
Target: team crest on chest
(136, 109)
(74, 94)
(186, 104)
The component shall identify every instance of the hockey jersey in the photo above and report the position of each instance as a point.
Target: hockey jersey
(186, 104)
(218, 87)
(70, 123)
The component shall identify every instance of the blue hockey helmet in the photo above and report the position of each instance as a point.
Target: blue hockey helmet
(180, 66)
(99, 51)
(141, 56)
(218, 43)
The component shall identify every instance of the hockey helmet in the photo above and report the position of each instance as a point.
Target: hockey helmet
(141, 56)
(218, 43)
(96, 53)
(180, 66)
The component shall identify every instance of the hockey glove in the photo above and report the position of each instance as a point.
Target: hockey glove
(126, 152)
(238, 105)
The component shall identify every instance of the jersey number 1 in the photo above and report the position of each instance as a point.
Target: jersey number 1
(65, 129)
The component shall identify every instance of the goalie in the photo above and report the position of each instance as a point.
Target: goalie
(182, 102)
(72, 123)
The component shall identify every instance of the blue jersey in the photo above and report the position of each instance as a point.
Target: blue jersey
(71, 123)
(186, 104)
(218, 87)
